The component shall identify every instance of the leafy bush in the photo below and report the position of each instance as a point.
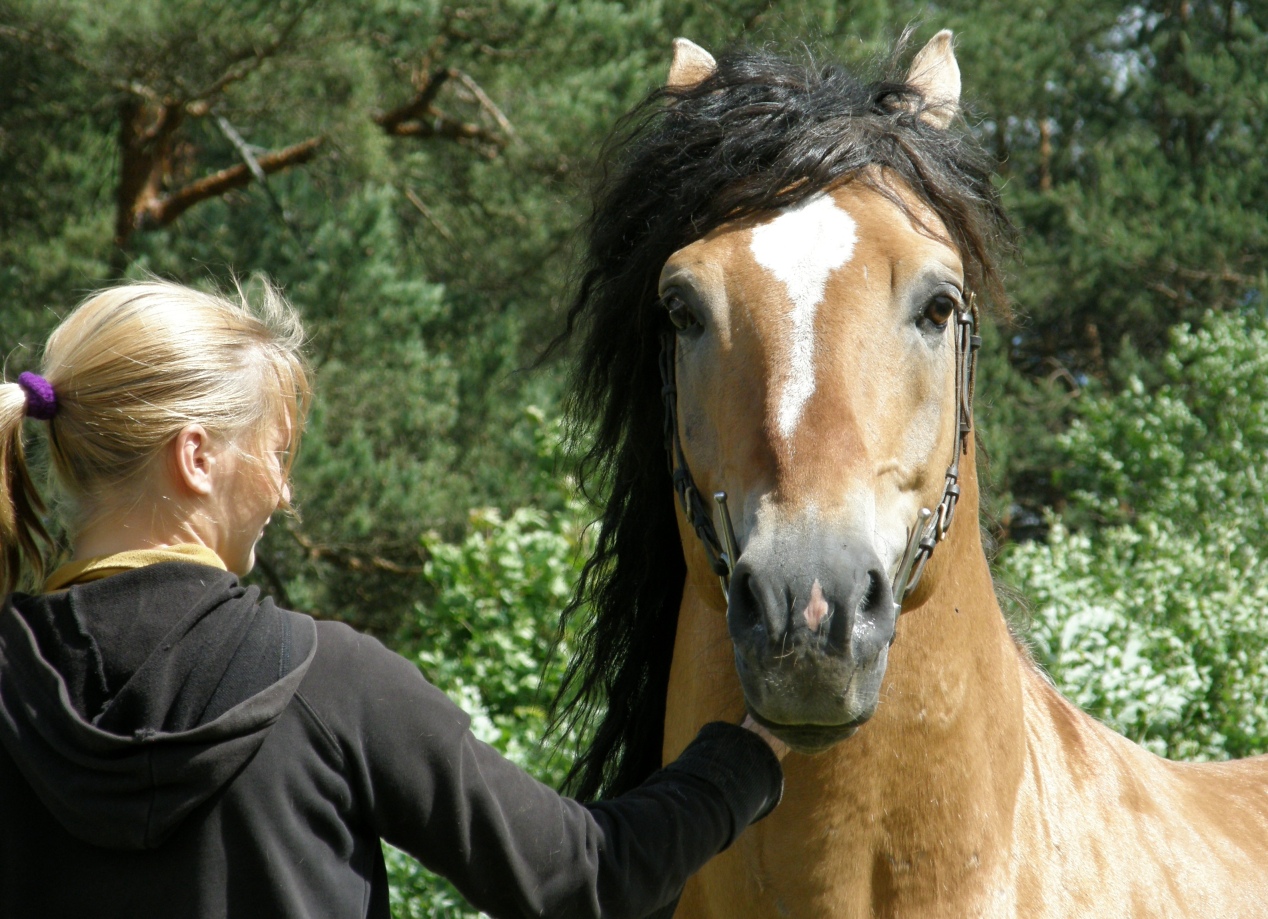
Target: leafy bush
(1146, 603)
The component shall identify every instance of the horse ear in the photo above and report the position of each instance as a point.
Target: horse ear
(936, 75)
(691, 65)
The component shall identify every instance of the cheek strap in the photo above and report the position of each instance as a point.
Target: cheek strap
(721, 559)
(931, 526)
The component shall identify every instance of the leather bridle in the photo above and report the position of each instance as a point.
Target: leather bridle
(931, 525)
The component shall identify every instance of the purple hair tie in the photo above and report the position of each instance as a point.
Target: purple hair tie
(41, 400)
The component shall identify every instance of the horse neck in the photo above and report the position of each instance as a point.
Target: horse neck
(938, 766)
(950, 720)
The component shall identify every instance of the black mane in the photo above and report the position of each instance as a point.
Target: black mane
(761, 133)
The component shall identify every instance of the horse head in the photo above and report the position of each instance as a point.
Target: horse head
(815, 366)
(815, 235)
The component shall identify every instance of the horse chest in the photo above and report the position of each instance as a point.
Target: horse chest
(776, 878)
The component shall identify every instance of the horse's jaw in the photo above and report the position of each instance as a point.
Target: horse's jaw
(811, 738)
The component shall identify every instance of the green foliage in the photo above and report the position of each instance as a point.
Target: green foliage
(488, 637)
(1126, 134)
(1188, 447)
(1146, 603)
(1156, 631)
(429, 270)
(1017, 419)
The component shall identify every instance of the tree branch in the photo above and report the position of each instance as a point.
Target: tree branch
(49, 43)
(485, 102)
(421, 118)
(162, 211)
(250, 59)
(431, 218)
(1222, 276)
(145, 135)
(350, 561)
(417, 107)
(441, 125)
(257, 172)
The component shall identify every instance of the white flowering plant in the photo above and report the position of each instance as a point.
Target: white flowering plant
(1148, 602)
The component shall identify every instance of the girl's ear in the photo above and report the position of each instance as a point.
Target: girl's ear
(192, 459)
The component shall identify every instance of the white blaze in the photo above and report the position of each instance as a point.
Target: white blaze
(801, 248)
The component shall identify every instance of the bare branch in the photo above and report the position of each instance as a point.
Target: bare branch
(251, 59)
(140, 90)
(1159, 288)
(1222, 276)
(419, 106)
(441, 125)
(164, 210)
(248, 158)
(485, 102)
(351, 561)
(431, 218)
(421, 118)
(145, 135)
(48, 42)
(257, 172)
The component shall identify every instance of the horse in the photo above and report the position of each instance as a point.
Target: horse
(784, 270)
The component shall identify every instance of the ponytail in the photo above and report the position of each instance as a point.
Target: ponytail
(22, 527)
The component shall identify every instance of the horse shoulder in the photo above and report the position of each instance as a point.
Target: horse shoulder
(1103, 827)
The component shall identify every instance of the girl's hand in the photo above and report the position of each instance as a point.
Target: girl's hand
(778, 747)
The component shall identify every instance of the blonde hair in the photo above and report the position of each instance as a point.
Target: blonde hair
(131, 366)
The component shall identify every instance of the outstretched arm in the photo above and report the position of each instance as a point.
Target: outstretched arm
(511, 844)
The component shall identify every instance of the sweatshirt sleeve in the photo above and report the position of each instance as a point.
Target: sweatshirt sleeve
(511, 844)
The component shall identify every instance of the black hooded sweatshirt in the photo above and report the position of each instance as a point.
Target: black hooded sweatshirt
(172, 744)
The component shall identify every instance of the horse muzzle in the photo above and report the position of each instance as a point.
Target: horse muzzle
(811, 620)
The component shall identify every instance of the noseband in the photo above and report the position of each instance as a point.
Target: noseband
(931, 525)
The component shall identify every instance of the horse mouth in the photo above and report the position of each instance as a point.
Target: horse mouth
(810, 738)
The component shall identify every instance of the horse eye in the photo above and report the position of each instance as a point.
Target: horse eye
(939, 310)
(680, 313)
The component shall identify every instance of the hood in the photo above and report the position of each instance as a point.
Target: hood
(127, 702)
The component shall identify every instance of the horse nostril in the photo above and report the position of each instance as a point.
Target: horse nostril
(877, 603)
(873, 598)
(752, 610)
(741, 601)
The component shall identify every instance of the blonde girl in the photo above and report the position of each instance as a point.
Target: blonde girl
(122, 377)
(173, 744)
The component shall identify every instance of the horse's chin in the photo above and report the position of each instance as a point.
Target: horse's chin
(810, 738)
(813, 702)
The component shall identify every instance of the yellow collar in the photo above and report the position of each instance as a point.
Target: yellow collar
(102, 566)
